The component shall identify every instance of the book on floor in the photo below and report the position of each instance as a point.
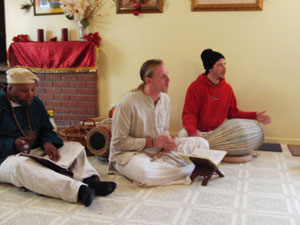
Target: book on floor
(68, 153)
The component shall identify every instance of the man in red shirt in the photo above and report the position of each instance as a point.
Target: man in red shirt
(210, 100)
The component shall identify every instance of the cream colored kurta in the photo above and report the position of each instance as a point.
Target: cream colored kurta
(135, 119)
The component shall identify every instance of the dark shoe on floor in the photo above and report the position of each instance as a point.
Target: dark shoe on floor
(86, 195)
(101, 188)
(90, 179)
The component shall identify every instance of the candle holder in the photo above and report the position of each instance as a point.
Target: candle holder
(64, 34)
(40, 35)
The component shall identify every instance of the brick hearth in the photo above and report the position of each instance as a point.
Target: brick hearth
(72, 96)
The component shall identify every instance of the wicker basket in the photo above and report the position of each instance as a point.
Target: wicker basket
(94, 134)
(78, 133)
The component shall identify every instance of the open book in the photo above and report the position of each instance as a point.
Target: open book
(206, 163)
(68, 153)
(213, 156)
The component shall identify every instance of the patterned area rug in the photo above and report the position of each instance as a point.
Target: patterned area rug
(265, 191)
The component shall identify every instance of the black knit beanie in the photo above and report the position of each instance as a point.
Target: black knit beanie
(209, 58)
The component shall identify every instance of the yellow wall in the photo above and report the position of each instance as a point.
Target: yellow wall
(261, 48)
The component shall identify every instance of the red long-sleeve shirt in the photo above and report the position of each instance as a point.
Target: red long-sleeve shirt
(207, 106)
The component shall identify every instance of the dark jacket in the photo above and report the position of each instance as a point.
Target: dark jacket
(40, 123)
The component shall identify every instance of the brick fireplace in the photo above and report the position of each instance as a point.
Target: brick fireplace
(72, 96)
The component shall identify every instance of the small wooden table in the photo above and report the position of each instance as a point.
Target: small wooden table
(205, 168)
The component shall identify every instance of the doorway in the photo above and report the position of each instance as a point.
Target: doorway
(2, 34)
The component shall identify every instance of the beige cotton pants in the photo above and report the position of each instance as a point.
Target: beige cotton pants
(25, 172)
(167, 170)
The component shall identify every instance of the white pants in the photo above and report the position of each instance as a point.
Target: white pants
(167, 170)
(183, 133)
(22, 171)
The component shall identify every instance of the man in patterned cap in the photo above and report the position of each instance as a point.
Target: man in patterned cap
(24, 125)
(210, 100)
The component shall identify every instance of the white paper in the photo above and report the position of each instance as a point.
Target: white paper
(68, 153)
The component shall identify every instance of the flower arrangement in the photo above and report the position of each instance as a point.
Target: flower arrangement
(81, 10)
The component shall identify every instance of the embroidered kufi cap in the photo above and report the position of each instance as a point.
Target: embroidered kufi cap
(21, 76)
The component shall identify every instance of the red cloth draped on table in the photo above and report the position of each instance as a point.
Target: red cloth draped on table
(53, 57)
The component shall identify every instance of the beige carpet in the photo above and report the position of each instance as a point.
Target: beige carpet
(265, 191)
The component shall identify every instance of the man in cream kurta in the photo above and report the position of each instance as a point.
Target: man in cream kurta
(140, 133)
